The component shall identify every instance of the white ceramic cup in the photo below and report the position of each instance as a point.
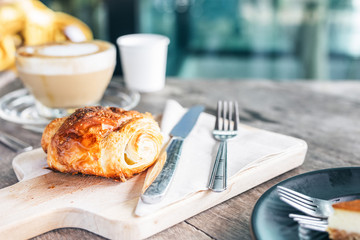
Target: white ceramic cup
(143, 60)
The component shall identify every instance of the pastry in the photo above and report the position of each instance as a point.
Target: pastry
(30, 22)
(102, 141)
(344, 223)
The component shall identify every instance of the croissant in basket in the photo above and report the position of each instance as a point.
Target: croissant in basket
(108, 142)
(30, 22)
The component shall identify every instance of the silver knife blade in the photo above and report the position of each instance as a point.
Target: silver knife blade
(157, 190)
(187, 122)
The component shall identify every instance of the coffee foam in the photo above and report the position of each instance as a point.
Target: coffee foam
(69, 50)
(66, 59)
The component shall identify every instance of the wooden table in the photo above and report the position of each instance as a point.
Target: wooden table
(325, 114)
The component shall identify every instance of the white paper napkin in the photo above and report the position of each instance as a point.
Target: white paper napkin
(199, 151)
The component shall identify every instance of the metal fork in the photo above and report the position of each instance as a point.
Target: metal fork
(226, 127)
(14, 143)
(312, 206)
(313, 223)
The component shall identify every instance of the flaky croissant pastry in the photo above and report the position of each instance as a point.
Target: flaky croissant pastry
(30, 22)
(108, 142)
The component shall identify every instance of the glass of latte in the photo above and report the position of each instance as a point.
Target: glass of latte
(66, 76)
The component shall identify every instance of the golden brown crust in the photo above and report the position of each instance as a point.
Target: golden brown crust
(108, 142)
(49, 132)
(336, 234)
(353, 206)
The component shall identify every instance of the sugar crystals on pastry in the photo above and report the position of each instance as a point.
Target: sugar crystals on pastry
(102, 141)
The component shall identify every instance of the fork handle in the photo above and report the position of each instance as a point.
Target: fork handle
(14, 143)
(218, 179)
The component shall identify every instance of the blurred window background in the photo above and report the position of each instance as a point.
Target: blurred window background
(281, 40)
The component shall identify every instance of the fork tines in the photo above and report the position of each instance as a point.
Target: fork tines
(313, 223)
(226, 127)
(312, 206)
(227, 118)
(297, 200)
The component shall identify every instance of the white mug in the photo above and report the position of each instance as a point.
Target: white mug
(143, 60)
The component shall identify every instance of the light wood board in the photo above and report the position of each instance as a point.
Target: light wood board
(106, 207)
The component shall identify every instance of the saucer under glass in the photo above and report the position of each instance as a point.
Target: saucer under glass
(19, 106)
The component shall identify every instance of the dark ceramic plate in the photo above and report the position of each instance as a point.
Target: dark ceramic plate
(270, 216)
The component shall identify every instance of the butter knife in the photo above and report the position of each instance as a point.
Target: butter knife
(157, 190)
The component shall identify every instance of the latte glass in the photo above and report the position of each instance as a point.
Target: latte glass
(66, 76)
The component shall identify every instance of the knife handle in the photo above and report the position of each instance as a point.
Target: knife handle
(157, 190)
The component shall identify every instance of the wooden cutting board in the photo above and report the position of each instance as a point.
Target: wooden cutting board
(44, 200)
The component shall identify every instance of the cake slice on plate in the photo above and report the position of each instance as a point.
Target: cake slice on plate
(344, 223)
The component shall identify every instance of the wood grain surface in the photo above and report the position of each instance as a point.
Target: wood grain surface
(326, 115)
(106, 207)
